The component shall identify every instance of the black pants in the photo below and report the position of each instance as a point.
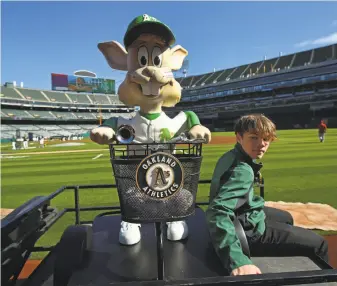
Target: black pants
(281, 238)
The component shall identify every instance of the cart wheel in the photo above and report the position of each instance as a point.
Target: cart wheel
(71, 252)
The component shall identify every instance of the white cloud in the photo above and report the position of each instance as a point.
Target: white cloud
(327, 40)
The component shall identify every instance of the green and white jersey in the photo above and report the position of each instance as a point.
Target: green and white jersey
(156, 128)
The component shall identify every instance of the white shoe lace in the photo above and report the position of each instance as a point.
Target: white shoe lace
(125, 226)
(175, 222)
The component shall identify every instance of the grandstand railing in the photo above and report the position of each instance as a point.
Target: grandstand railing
(299, 72)
(256, 86)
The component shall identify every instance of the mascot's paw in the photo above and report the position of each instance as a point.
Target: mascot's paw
(200, 131)
(102, 135)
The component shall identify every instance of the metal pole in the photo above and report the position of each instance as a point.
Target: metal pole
(77, 207)
(160, 250)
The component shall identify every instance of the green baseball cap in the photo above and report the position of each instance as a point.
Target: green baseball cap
(147, 24)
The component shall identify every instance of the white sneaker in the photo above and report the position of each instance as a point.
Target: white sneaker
(177, 230)
(129, 233)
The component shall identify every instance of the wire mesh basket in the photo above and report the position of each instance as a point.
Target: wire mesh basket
(156, 182)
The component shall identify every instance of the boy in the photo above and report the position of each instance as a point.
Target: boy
(269, 231)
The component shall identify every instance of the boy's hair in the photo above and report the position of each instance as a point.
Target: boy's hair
(256, 123)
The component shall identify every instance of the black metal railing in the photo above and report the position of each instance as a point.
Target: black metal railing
(77, 209)
(326, 274)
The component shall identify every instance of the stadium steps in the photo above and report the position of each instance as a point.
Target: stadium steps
(261, 65)
(29, 115)
(233, 71)
(67, 96)
(4, 114)
(302, 59)
(87, 95)
(292, 61)
(19, 93)
(45, 96)
(210, 78)
(184, 79)
(32, 94)
(245, 70)
(253, 69)
(269, 65)
(238, 71)
(312, 56)
(213, 78)
(198, 79)
(109, 100)
(53, 115)
(275, 64)
(224, 75)
(323, 54)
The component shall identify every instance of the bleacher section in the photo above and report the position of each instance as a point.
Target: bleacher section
(42, 114)
(225, 75)
(32, 94)
(86, 115)
(323, 54)
(302, 59)
(56, 96)
(35, 95)
(57, 115)
(281, 63)
(64, 115)
(79, 98)
(99, 99)
(10, 93)
(16, 113)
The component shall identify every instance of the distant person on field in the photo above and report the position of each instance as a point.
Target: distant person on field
(269, 231)
(41, 142)
(25, 142)
(13, 143)
(321, 131)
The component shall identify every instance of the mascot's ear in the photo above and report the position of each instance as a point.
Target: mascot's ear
(178, 53)
(115, 54)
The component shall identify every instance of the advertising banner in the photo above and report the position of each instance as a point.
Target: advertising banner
(63, 82)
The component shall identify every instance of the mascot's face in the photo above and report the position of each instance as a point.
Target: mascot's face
(149, 63)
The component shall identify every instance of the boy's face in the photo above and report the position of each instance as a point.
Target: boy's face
(253, 144)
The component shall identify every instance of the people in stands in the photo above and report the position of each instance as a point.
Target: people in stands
(269, 231)
(13, 143)
(321, 131)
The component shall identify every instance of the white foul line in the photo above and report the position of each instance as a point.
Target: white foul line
(100, 155)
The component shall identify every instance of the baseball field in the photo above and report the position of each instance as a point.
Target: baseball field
(297, 168)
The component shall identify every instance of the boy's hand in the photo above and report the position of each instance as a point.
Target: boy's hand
(246, 270)
(102, 135)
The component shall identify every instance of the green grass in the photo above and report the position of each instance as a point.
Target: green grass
(297, 168)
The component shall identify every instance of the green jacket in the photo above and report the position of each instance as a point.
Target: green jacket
(232, 194)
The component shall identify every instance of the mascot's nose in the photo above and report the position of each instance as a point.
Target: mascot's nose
(157, 74)
(150, 71)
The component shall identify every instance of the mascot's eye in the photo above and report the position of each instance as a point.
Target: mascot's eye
(157, 56)
(143, 56)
